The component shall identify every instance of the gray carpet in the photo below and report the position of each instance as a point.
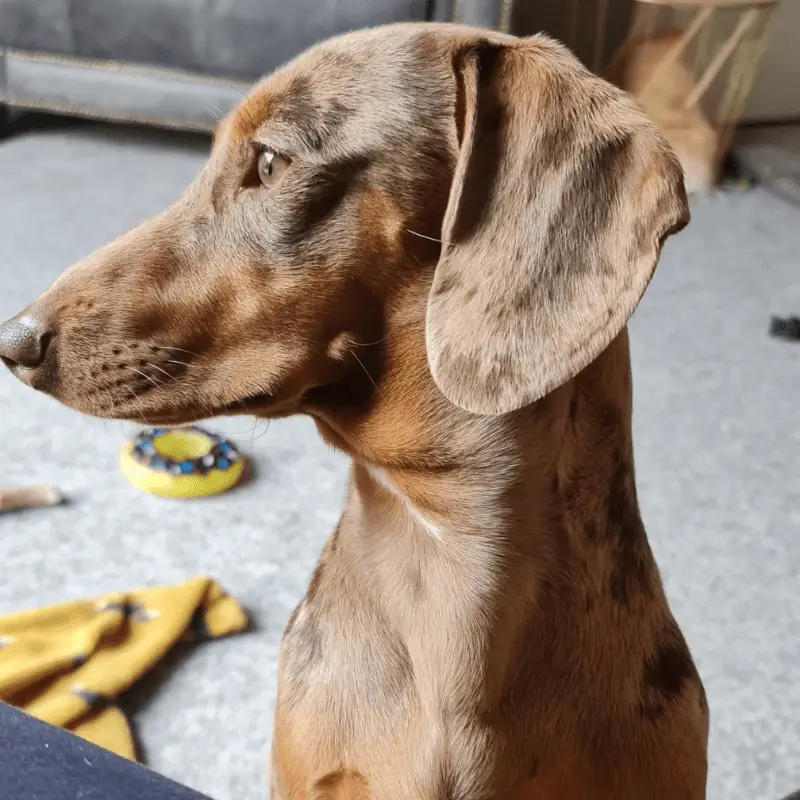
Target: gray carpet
(718, 448)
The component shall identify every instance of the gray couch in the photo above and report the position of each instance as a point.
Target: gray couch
(184, 63)
(177, 63)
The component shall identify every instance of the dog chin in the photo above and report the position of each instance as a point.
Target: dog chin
(261, 405)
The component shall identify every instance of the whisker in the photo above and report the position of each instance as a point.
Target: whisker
(266, 428)
(255, 423)
(138, 410)
(176, 349)
(364, 368)
(130, 391)
(188, 368)
(155, 366)
(216, 111)
(429, 238)
(250, 431)
(152, 380)
(253, 431)
(113, 405)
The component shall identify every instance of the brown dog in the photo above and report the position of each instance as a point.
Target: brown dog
(429, 238)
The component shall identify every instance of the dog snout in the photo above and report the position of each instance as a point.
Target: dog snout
(25, 342)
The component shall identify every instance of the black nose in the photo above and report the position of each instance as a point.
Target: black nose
(24, 341)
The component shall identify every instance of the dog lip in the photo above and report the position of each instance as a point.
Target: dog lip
(261, 398)
(187, 416)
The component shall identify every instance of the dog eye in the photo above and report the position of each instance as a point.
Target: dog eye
(270, 167)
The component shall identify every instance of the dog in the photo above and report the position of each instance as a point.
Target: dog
(429, 238)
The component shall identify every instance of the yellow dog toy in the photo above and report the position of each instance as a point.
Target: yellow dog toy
(181, 462)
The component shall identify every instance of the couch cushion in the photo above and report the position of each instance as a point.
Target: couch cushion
(249, 38)
(233, 38)
(40, 25)
(162, 32)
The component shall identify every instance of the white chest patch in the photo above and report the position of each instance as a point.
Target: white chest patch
(383, 479)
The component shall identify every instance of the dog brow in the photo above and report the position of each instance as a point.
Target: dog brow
(288, 138)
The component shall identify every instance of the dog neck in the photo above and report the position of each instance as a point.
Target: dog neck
(464, 529)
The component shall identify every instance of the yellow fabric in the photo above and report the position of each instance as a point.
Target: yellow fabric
(67, 664)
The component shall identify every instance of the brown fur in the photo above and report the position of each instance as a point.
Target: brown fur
(487, 621)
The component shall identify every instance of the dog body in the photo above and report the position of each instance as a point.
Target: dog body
(428, 238)
(491, 625)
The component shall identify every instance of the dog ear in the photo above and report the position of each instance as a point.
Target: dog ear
(562, 196)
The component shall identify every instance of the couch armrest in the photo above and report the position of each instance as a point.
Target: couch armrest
(481, 13)
(155, 62)
(5, 116)
(485, 13)
(112, 91)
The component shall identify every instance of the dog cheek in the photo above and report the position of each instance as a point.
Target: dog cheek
(254, 368)
(315, 225)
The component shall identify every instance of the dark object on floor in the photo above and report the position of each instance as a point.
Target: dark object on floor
(5, 120)
(42, 761)
(785, 328)
(735, 176)
(771, 155)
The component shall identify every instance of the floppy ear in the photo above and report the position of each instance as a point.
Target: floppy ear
(562, 196)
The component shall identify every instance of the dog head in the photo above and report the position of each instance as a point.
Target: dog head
(527, 198)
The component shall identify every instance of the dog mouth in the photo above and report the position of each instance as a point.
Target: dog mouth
(140, 387)
(260, 404)
(253, 402)
(249, 404)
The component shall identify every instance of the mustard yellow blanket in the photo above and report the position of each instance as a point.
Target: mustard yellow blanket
(67, 664)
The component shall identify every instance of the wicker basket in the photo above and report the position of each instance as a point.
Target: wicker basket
(690, 64)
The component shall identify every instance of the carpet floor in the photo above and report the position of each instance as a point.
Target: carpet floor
(718, 463)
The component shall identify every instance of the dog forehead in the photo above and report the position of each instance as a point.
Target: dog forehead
(369, 73)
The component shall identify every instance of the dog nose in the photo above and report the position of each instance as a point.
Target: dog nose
(24, 342)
